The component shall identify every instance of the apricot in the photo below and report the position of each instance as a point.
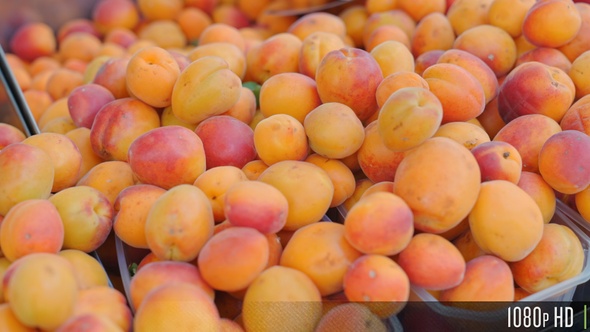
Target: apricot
(245, 108)
(491, 44)
(333, 130)
(233, 258)
(376, 160)
(160, 9)
(426, 60)
(85, 101)
(38, 101)
(341, 176)
(215, 182)
(79, 45)
(118, 123)
(88, 270)
(350, 76)
(361, 186)
(281, 296)
(153, 161)
(397, 81)
(350, 317)
(293, 94)
(320, 21)
(387, 33)
(527, 134)
(31, 226)
(563, 161)
(496, 233)
(280, 137)
(27, 172)
(498, 160)
(166, 34)
(559, 256)
(193, 21)
(33, 40)
(551, 23)
(393, 49)
(423, 180)
(62, 81)
(461, 95)
(109, 177)
(307, 249)
(576, 74)
(175, 232)
(433, 32)
(87, 217)
(110, 14)
(386, 186)
(111, 75)
(180, 306)
(151, 74)
(307, 187)
(576, 116)
(409, 117)
(547, 90)
(206, 87)
(9, 322)
(465, 133)
(42, 290)
(509, 15)
(89, 322)
(313, 49)
(277, 54)
(466, 14)
(222, 32)
(397, 17)
(354, 18)
(577, 46)
(549, 56)
(540, 191)
(487, 278)
(467, 245)
(158, 273)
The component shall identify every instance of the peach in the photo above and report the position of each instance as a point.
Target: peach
(576, 73)
(319, 21)
(42, 290)
(535, 88)
(477, 67)
(10, 134)
(433, 32)
(549, 56)
(110, 14)
(277, 54)
(81, 138)
(233, 55)
(33, 40)
(293, 94)
(158, 273)
(131, 208)
(576, 117)
(226, 141)
(509, 15)
(280, 137)
(31, 226)
(380, 223)
(376, 160)
(578, 45)
(111, 75)
(27, 172)
(88, 270)
(491, 44)
(65, 157)
(559, 256)
(353, 316)
(563, 160)
(313, 49)
(383, 53)
(174, 231)
(118, 123)
(527, 134)
(109, 177)
(233, 258)
(466, 14)
(217, 89)
(88, 322)
(350, 76)
(86, 214)
(257, 205)
(408, 117)
(85, 101)
(9, 322)
(505, 220)
(151, 74)
(498, 160)
(440, 181)
(397, 81)
(432, 262)
(551, 23)
(173, 306)
(541, 192)
(460, 93)
(333, 130)
(341, 175)
(307, 249)
(281, 296)
(487, 278)
(307, 187)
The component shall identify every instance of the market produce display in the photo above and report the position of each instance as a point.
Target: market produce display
(300, 171)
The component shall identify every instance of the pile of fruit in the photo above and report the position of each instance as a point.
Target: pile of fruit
(221, 138)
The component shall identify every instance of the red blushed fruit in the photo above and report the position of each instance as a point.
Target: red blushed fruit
(85, 101)
(227, 141)
(167, 156)
(33, 40)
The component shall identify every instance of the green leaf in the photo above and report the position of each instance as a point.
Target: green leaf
(255, 87)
